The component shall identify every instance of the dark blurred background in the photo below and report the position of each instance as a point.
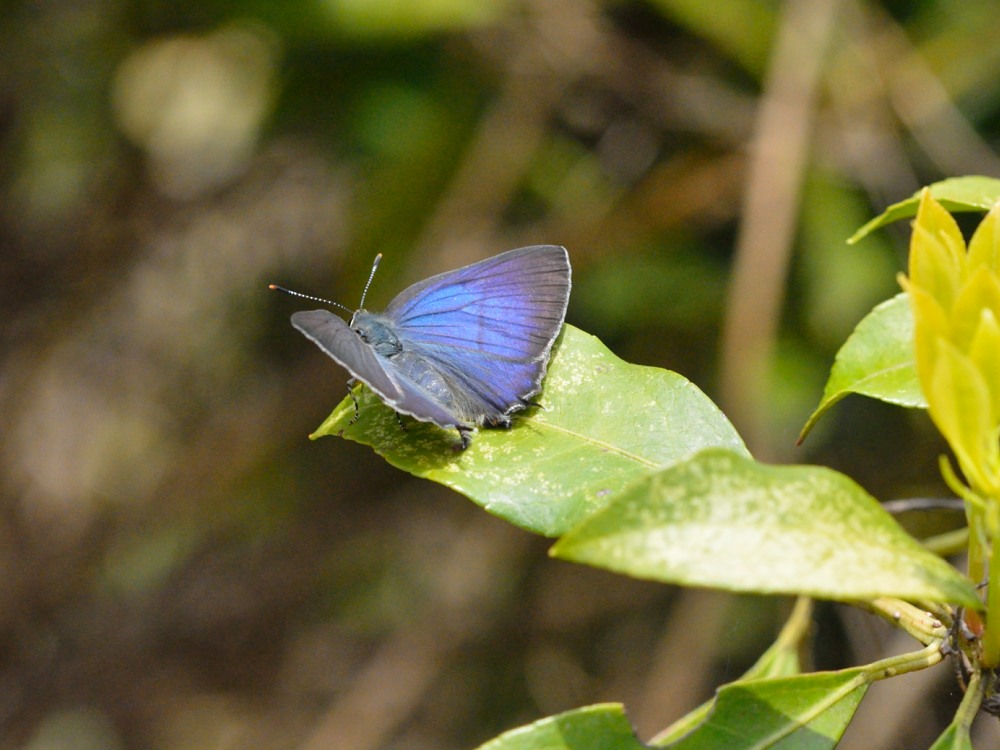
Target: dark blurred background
(180, 567)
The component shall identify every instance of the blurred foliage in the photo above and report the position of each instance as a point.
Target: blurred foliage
(181, 567)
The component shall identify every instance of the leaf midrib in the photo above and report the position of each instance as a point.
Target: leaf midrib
(601, 443)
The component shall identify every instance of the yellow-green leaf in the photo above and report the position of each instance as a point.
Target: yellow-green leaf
(984, 247)
(985, 354)
(937, 252)
(960, 405)
(930, 323)
(981, 291)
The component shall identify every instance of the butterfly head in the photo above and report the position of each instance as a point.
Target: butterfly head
(375, 331)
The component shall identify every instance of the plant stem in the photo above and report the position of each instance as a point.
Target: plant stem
(797, 626)
(947, 543)
(991, 638)
(896, 665)
(971, 701)
(923, 626)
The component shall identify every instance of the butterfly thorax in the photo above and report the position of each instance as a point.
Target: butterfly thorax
(376, 333)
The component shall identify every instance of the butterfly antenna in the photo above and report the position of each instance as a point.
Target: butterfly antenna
(309, 296)
(378, 259)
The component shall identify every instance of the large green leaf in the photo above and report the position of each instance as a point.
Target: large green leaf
(956, 194)
(604, 423)
(877, 360)
(806, 711)
(721, 520)
(600, 727)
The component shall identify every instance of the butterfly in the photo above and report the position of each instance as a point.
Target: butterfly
(462, 349)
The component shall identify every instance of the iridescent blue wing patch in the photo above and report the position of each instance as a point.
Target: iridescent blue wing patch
(490, 325)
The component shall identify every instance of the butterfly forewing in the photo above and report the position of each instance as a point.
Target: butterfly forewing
(343, 345)
(489, 325)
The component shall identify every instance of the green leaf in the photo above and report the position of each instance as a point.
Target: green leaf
(605, 423)
(956, 194)
(781, 664)
(877, 360)
(806, 711)
(780, 660)
(600, 727)
(721, 520)
(955, 737)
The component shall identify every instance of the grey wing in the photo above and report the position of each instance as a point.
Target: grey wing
(331, 334)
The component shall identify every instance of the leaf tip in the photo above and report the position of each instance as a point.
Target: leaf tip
(864, 231)
(807, 427)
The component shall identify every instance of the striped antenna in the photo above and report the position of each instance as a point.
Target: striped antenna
(378, 259)
(309, 296)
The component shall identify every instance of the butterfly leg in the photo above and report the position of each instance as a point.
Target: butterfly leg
(399, 421)
(350, 392)
(466, 434)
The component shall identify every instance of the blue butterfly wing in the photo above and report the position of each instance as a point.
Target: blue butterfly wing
(396, 388)
(488, 327)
